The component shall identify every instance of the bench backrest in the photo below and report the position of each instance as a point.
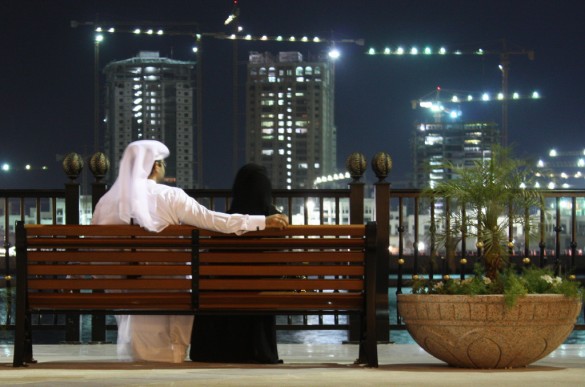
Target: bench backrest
(182, 268)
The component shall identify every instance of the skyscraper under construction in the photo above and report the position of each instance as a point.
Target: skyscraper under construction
(461, 143)
(149, 97)
(289, 117)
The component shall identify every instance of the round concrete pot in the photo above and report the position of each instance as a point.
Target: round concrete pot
(481, 332)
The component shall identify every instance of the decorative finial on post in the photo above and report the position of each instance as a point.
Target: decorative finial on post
(99, 165)
(72, 165)
(356, 165)
(381, 165)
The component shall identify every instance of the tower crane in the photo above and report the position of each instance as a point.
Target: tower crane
(445, 101)
(504, 53)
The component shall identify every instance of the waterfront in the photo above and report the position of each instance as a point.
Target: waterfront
(287, 336)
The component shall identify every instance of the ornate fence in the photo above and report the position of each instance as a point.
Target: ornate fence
(403, 217)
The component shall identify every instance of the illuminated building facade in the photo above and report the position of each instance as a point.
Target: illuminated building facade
(461, 143)
(289, 117)
(149, 97)
(561, 169)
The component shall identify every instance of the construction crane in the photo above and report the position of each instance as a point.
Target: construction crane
(504, 53)
(447, 102)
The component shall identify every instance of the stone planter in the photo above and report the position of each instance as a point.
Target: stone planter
(480, 332)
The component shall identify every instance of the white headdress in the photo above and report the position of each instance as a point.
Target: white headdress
(134, 200)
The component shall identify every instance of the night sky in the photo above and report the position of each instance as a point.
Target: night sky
(46, 82)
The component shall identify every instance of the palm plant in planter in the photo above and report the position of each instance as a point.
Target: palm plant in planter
(455, 320)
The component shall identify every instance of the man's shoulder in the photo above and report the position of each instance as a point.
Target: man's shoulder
(166, 190)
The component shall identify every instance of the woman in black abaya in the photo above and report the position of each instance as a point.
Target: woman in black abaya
(240, 338)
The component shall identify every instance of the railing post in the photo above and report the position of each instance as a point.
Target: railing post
(542, 243)
(356, 166)
(557, 229)
(381, 164)
(72, 203)
(72, 166)
(99, 165)
(356, 202)
(573, 233)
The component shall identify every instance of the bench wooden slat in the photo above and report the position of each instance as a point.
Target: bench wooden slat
(110, 283)
(45, 230)
(279, 256)
(111, 269)
(109, 256)
(283, 301)
(88, 243)
(111, 301)
(280, 284)
(274, 243)
(281, 270)
(325, 230)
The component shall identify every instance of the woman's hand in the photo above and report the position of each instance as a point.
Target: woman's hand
(277, 221)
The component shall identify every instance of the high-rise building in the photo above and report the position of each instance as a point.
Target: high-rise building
(289, 117)
(149, 97)
(460, 143)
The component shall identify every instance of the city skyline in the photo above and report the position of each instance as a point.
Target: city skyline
(48, 72)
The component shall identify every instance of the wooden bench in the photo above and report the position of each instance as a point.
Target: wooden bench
(123, 269)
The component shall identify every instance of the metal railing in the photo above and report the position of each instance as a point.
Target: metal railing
(403, 217)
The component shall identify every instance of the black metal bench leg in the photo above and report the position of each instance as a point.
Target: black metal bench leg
(28, 349)
(23, 352)
(368, 351)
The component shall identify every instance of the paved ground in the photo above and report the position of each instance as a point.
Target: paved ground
(321, 365)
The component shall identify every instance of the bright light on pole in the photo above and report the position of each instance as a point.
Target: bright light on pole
(334, 54)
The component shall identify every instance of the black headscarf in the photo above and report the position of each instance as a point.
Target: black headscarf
(252, 191)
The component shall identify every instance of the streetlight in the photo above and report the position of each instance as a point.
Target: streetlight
(96, 91)
(334, 53)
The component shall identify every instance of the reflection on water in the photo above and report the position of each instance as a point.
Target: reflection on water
(332, 337)
(284, 336)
